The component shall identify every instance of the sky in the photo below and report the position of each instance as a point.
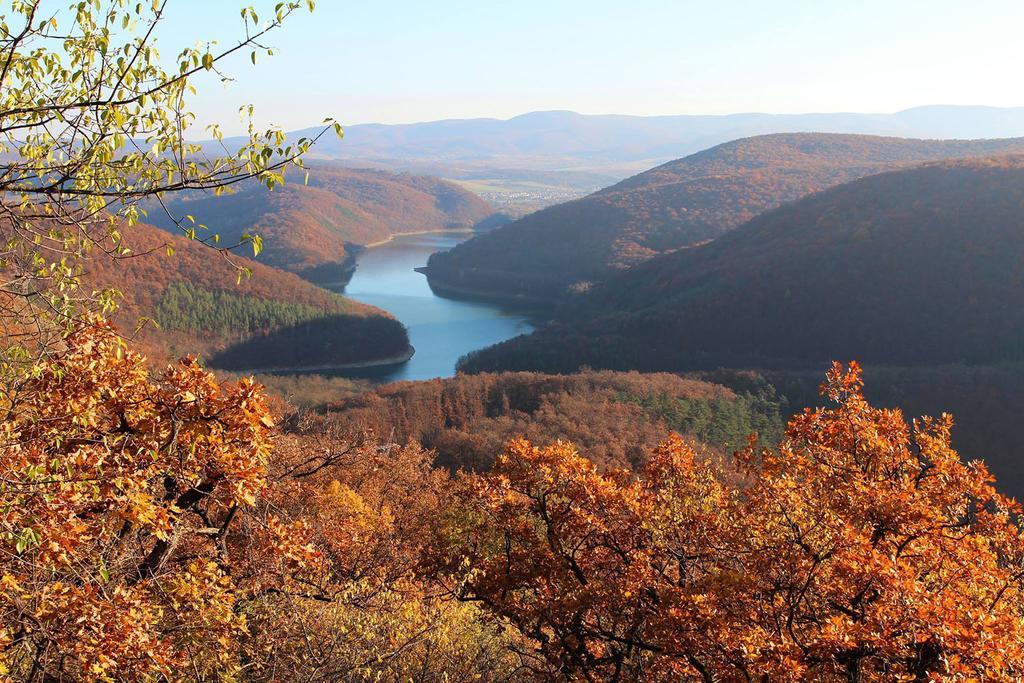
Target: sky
(399, 61)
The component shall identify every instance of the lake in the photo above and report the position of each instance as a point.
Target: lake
(441, 330)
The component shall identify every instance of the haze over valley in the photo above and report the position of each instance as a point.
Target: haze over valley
(541, 158)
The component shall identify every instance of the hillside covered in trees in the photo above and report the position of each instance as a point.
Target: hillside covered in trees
(679, 204)
(616, 417)
(165, 522)
(913, 267)
(311, 229)
(271, 319)
(917, 271)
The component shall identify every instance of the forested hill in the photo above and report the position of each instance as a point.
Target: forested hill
(913, 267)
(679, 204)
(308, 229)
(272, 319)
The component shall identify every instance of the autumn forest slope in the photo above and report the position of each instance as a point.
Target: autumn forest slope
(918, 273)
(913, 267)
(272, 319)
(616, 418)
(679, 204)
(310, 229)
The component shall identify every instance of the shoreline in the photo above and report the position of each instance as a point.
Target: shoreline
(397, 359)
(483, 295)
(449, 231)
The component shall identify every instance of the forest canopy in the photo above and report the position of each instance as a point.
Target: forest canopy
(167, 529)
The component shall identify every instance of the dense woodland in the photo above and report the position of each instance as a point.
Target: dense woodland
(682, 203)
(311, 227)
(617, 418)
(201, 303)
(915, 267)
(238, 549)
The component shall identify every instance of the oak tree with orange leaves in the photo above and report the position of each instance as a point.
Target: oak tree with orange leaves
(160, 528)
(116, 492)
(861, 549)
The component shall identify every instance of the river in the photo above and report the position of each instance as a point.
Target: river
(441, 330)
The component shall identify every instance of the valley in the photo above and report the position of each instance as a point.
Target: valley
(769, 255)
(562, 342)
(441, 330)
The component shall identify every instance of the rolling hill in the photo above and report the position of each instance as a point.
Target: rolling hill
(917, 273)
(913, 267)
(542, 158)
(270, 320)
(679, 204)
(311, 229)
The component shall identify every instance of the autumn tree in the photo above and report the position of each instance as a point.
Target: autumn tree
(117, 492)
(361, 610)
(152, 529)
(861, 549)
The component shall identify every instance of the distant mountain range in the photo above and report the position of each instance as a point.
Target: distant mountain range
(558, 135)
(543, 158)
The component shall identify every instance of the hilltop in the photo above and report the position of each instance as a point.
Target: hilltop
(679, 204)
(272, 319)
(313, 229)
(916, 267)
(542, 158)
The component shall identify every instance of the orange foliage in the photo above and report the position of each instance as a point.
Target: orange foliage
(148, 533)
(115, 490)
(161, 528)
(860, 550)
(614, 417)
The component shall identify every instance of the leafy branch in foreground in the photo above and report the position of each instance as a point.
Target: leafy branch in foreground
(93, 124)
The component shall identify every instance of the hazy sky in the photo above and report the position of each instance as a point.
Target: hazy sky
(396, 61)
